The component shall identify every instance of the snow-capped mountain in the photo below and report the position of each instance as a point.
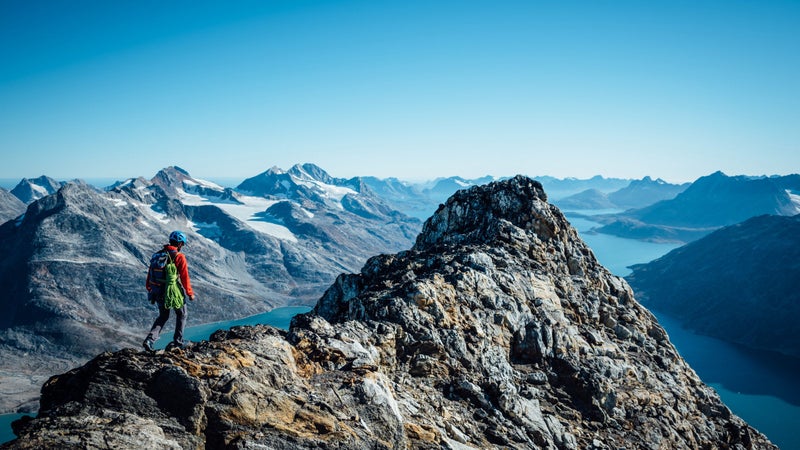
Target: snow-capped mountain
(73, 266)
(29, 190)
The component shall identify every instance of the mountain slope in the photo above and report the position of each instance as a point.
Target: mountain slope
(709, 203)
(738, 284)
(645, 192)
(10, 206)
(588, 199)
(497, 329)
(73, 268)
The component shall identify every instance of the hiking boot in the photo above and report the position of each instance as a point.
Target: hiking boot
(148, 345)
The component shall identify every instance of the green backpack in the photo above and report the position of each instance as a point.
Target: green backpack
(173, 295)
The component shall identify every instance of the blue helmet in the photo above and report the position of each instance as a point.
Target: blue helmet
(177, 236)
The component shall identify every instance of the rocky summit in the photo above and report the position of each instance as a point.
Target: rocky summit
(498, 329)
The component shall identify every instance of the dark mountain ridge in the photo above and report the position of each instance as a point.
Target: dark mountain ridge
(497, 329)
(637, 194)
(709, 203)
(738, 284)
(10, 206)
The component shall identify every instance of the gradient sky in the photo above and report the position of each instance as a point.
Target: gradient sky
(411, 89)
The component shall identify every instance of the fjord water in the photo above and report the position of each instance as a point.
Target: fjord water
(760, 387)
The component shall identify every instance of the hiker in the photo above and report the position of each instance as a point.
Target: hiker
(159, 290)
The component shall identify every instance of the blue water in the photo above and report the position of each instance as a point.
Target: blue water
(617, 253)
(760, 387)
(279, 318)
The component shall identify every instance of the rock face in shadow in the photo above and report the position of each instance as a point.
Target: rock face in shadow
(10, 206)
(498, 329)
(738, 284)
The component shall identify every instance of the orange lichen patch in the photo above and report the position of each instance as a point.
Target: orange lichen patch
(305, 367)
(194, 368)
(314, 422)
(422, 432)
(229, 357)
(235, 358)
(254, 410)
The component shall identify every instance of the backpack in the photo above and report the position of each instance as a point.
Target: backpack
(164, 273)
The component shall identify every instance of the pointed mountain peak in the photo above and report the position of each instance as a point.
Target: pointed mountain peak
(29, 190)
(478, 213)
(311, 172)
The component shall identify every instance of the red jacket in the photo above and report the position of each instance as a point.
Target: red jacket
(183, 271)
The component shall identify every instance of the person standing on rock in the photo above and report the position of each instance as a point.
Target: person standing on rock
(157, 287)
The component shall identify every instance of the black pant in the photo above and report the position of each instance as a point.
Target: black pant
(163, 316)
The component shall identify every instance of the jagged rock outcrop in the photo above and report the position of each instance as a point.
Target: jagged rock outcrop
(498, 329)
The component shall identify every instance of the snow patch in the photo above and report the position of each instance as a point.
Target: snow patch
(39, 190)
(210, 231)
(795, 200)
(118, 202)
(328, 190)
(247, 210)
(204, 183)
(157, 215)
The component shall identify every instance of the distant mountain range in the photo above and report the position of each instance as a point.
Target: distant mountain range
(707, 204)
(738, 284)
(73, 265)
(637, 194)
(421, 199)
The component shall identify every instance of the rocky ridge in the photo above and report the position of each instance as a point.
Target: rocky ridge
(498, 329)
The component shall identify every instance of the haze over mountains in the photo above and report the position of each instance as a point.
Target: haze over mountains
(707, 204)
(637, 194)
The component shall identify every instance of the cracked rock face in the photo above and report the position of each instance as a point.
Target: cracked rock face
(498, 329)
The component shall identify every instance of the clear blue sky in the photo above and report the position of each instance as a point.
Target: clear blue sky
(412, 89)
